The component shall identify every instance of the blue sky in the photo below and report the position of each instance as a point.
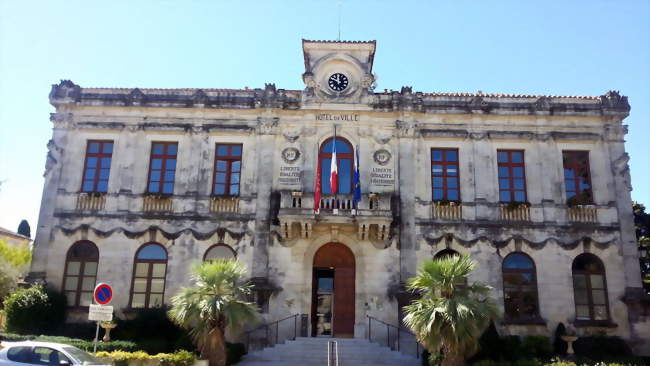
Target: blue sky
(550, 47)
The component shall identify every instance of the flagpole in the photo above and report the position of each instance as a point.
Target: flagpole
(336, 163)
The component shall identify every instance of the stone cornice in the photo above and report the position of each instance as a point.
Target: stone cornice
(609, 104)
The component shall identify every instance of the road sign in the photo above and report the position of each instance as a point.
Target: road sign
(100, 313)
(103, 293)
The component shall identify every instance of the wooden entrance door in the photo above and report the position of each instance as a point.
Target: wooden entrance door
(338, 258)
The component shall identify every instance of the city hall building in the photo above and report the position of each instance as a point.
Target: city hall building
(142, 183)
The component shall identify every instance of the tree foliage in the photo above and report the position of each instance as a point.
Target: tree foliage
(18, 256)
(451, 314)
(24, 229)
(8, 279)
(642, 227)
(214, 303)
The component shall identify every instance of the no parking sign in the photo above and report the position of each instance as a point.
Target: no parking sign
(103, 293)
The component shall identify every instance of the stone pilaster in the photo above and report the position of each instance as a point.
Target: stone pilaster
(53, 167)
(264, 149)
(621, 174)
(407, 131)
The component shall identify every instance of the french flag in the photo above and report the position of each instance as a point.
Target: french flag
(334, 170)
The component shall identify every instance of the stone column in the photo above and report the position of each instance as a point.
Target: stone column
(53, 165)
(407, 131)
(550, 164)
(614, 134)
(484, 174)
(264, 150)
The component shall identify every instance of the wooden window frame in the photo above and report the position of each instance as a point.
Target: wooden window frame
(575, 167)
(164, 157)
(445, 164)
(510, 165)
(229, 159)
(80, 277)
(590, 301)
(99, 155)
(339, 156)
(149, 277)
(205, 255)
(519, 289)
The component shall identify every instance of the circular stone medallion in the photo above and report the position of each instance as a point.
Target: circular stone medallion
(290, 155)
(382, 156)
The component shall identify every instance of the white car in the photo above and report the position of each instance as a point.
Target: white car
(31, 353)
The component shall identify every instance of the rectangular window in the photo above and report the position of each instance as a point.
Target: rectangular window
(162, 167)
(445, 176)
(512, 175)
(577, 178)
(227, 170)
(97, 166)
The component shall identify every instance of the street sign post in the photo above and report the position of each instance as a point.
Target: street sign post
(100, 313)
(103, 295)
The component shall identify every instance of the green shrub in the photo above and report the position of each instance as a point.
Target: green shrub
(559, 346)
(537, 347)
(234, 352)
(85, 345)
(490, 345)
(601, 347)
(166, 338)
(180, 358)
(34, 310)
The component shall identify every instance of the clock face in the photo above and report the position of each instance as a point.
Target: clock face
(338, 82)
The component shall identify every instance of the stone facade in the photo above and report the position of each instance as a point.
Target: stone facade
(271, 224)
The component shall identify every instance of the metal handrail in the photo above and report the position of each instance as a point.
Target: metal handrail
(332, 353)
(398, 339)
(268, 328)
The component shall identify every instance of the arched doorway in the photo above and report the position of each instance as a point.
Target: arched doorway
(333, 290)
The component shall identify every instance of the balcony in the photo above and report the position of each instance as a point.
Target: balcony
(153, 203)
(91, 201)
(371, 219)
(446, 210)
(219, 204)
(514, 211)
(582, 214)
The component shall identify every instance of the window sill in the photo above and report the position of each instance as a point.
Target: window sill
(595, 323)
(524, 321)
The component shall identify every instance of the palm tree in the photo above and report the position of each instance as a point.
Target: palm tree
(212, 304)
(451, 314)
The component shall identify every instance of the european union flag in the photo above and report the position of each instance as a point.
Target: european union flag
(357, 182)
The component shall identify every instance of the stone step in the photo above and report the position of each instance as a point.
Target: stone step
(313, 352)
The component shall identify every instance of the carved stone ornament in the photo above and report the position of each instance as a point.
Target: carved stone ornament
(542, 104)
(478, 135)
(266, 126)
(290, 155)
(53, 156)
(407, 128)
(292, 135)
(136, 97)
(199, 98)
(382, 156)
(382, 136)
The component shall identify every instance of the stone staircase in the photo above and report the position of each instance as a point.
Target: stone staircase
(313, 352)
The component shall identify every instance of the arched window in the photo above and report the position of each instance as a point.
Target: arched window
(520, 287)
(149, 271)
(219, 251)
(445, 253)
(80, 273)
(344, 157)
(590, 288)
